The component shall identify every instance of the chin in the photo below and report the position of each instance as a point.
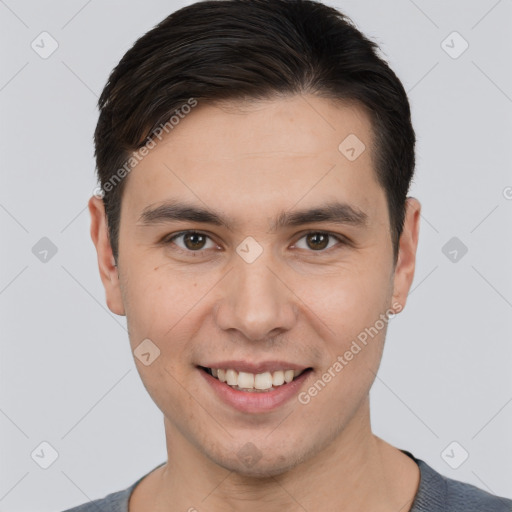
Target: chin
(260, 470)
(253, 463)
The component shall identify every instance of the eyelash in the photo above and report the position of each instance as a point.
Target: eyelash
(170, 240)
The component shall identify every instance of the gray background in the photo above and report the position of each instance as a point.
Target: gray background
(67, 375)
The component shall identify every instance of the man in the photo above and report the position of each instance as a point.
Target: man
(254, 227)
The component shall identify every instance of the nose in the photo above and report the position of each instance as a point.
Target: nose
(256, 301)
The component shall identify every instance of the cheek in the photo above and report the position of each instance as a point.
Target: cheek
(165, 305)
(346, 303)
(154, 294)
(350, 304)
(162, 311)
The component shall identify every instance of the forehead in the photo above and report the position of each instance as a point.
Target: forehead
(253, 154)
(300, 125)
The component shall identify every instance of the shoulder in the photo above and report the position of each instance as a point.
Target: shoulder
(114, 502)
(437, 493)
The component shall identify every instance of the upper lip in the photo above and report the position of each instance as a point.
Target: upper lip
(261, 367)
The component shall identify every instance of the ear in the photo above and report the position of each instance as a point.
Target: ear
(406, 261)
(108, 270)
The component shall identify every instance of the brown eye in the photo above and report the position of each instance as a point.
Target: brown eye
(194, 241)
(190, 241)
(317, 241)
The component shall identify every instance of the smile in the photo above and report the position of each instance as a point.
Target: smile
(255, 393)
(245, 381)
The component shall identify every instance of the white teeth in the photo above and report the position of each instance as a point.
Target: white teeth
(245, 380)
(249, 381)
(263, 380)
(231, 377)
(278, 378)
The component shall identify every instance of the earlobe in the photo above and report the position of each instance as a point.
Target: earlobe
(406, 261)
(106, 262)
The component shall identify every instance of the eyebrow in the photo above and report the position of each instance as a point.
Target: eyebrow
(335, 212)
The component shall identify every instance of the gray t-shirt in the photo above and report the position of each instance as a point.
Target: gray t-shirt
(436, 493)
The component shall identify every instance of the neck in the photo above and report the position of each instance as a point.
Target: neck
(357, 471)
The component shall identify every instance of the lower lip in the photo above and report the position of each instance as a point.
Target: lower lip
(262, 401)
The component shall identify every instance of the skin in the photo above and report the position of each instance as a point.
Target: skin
(298, 302)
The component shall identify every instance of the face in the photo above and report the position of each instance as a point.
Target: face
(250, 241)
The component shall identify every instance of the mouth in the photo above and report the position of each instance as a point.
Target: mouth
(263, 382)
